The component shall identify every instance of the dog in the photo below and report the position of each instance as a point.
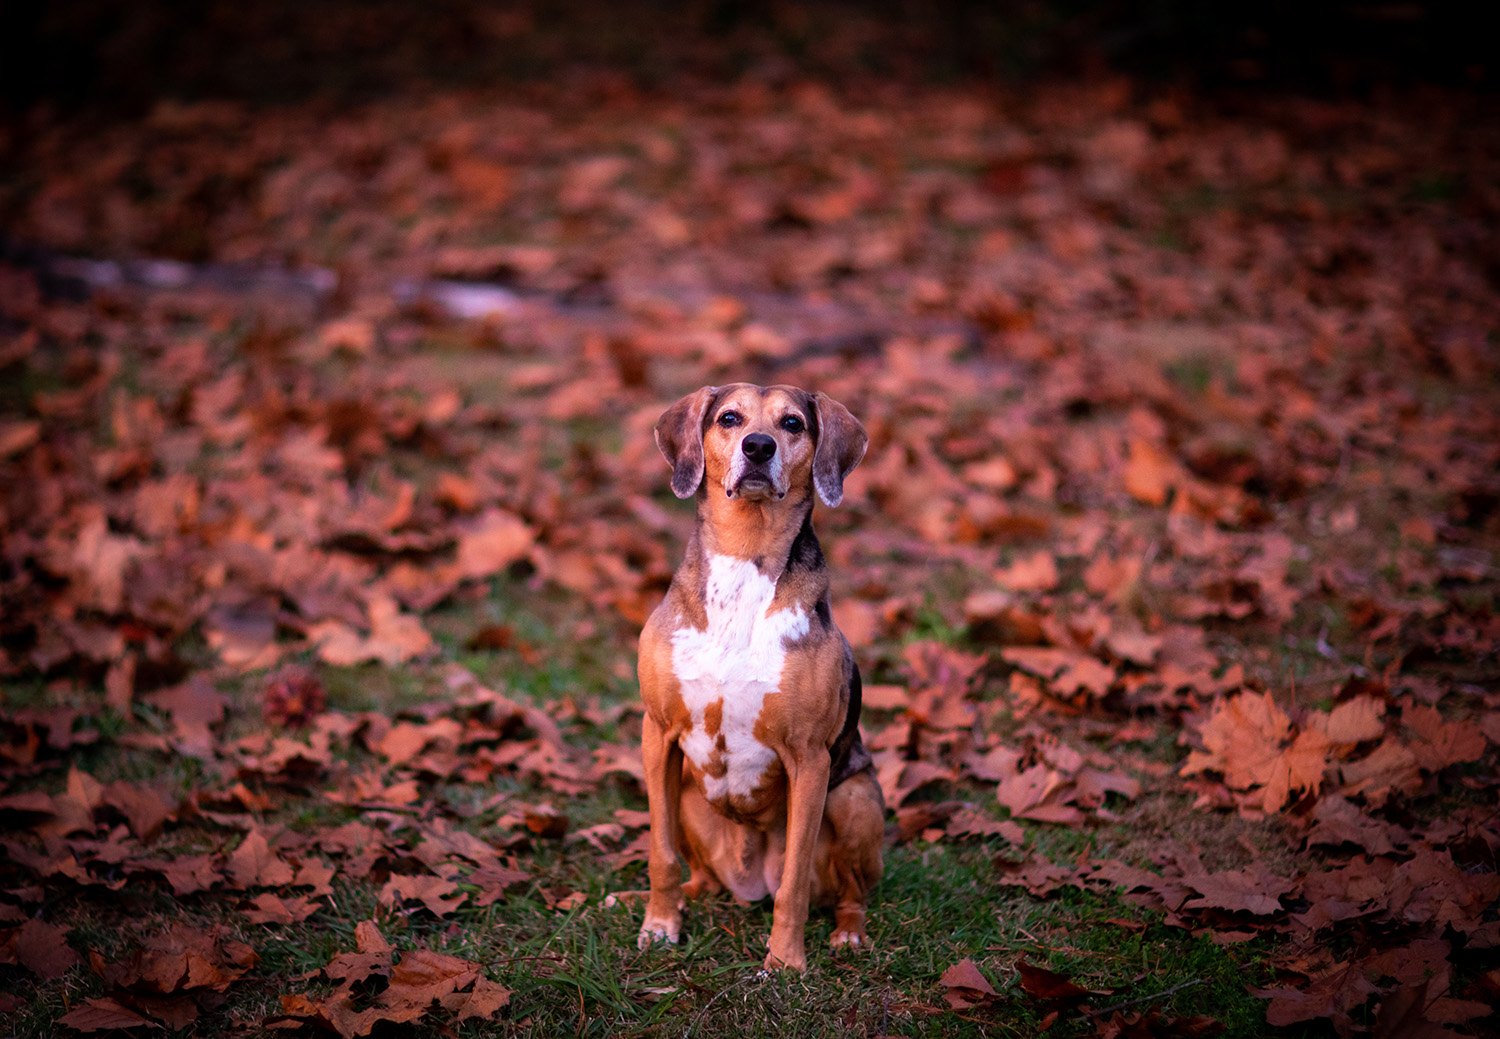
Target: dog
(754, 767)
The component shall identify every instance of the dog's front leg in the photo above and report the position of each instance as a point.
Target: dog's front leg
(807, 780)
(662, 760)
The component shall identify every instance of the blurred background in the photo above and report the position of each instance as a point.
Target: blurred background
(91, 52)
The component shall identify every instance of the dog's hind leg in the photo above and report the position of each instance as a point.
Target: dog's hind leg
(848, 862)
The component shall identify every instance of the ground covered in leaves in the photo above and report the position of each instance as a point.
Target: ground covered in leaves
(330, 512)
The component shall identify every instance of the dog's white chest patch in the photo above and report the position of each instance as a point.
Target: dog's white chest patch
(735, 661)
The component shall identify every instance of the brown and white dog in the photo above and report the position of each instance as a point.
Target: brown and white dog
(754, 766)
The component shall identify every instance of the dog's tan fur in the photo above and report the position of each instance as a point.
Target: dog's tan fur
(790, 826)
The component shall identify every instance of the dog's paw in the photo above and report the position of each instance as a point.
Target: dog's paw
(659, 929)
(855, 941)
(787, 959)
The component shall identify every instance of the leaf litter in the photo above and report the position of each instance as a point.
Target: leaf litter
(1142, 468)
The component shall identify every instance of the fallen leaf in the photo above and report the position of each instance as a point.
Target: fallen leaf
(1331, 994)
(432, 892)
(374, 956)
(1149, 473)
(491, 542)
(104, 1015)
(43, 949)
(1354, 721)
(1036, 572)
(254, 864)
(267, 908)
(964, 974)
(966, 985)
(483, 1001)
(1249, 890)
(1050, 985)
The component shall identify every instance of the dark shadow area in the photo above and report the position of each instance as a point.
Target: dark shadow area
(95, 53)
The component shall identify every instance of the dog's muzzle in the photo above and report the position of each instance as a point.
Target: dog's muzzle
(754, 474)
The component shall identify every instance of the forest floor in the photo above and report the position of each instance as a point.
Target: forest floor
(331, 513)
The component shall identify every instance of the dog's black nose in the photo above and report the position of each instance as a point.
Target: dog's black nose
(758, 447)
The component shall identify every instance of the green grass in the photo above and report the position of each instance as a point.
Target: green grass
(580, 973)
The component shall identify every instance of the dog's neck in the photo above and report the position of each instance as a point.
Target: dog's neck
(762, 531)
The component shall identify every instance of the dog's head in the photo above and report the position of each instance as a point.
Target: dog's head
(759, 442)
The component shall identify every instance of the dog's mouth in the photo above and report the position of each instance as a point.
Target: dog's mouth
(754, 487)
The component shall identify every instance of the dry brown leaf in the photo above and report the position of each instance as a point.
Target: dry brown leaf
(254, 864)
(404, 741)
(965, 985)
(142, 807)
(1036, 572)
(1149, 473)
(104, 1015)
(491, 542)
(1251, 890)
(1440, 743)
(1298, 769)
(1245, 739)
(43, 949)
(432, 892)
(1390, 769)
(964, 974)
(483, 1001)
(1331, 994)
(267, 908)
(858, 620)
(1353, 721)
(1050, 985)
(16, 437)
(374, 956)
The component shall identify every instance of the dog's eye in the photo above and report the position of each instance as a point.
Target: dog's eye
(792, 424)
(730, 419)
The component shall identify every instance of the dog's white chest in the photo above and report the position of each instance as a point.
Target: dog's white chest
(733, 663)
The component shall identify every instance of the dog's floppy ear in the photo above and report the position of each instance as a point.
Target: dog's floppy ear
(841, 444)
(679, 435)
